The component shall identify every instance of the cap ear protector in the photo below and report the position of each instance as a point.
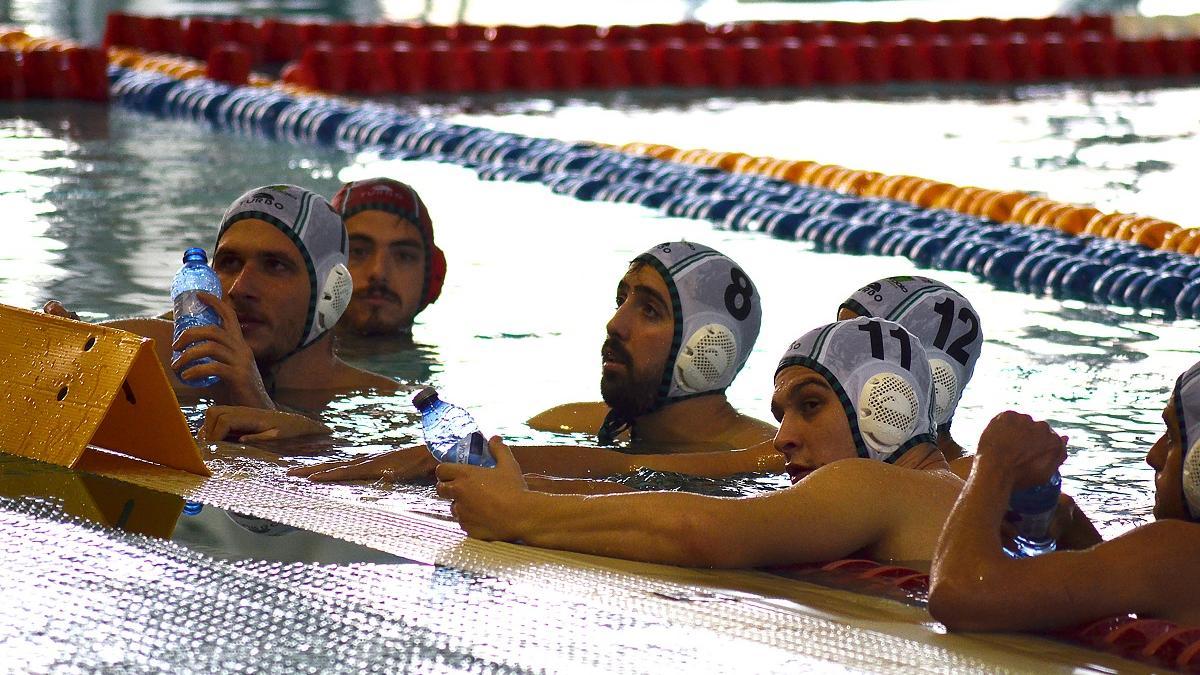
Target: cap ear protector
(706, 358)
(1191, 480)
(435, 276)
(946, 391)
(334, 296)
(888, 410)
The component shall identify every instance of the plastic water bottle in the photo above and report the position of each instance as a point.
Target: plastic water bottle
(1034, 509)
(450, 432)
(193, 277)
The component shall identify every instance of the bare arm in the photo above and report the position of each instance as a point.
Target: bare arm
(673, 528)
(977, 587)
(574, 486)
(588, 462)
(1072, 528)
(565, 461)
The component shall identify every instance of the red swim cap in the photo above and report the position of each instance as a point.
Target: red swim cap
(392, 196)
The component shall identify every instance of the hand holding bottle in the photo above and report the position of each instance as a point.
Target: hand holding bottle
(450, 432)
(1025, 453)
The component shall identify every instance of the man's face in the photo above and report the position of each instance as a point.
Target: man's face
(387, 263)
(813, 429)
(1166, 457)
(263, 276)
(639, 340)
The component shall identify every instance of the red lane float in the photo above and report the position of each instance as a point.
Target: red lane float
(47, 69)
(1153, 641)
(341, 57)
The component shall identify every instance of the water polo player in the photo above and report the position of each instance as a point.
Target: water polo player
(397, 268)
(1153, 570)
(853, 400)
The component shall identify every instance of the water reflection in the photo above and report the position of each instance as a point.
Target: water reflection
(105, 200)
(219, 533)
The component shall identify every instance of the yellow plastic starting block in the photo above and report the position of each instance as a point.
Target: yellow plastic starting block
(69, 389)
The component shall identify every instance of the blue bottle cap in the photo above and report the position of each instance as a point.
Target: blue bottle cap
(194, 254)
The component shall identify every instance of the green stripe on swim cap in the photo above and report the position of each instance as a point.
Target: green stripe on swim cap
(691, 260)
(913, 298)
(302, 217)
(856, 307)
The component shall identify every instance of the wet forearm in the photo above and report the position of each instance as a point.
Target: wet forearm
(652, 527)
(969, 566)
(568, 461)
(574, 486)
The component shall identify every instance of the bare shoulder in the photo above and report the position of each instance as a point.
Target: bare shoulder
(1153, 562)
(883, 484)
(156, 329)
(585, 417)
(160, 331)
(962, 466)
(1162, 542)
(748, 432)
(357, 378)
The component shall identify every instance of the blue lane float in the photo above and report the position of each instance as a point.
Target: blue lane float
(1034, 260)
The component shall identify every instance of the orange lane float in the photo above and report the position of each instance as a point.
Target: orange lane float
(1001, 206)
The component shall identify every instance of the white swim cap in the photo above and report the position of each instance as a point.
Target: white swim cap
(317, 230)
(717, 316)
(941, 318)
(881, 374)
(1187, 410)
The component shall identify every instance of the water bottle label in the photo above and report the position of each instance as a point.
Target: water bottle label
(1034, 525)
(191, 312)
(479, 454)
(188, 304)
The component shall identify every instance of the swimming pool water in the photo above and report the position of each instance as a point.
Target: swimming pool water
(100, 203)
(104, 200)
